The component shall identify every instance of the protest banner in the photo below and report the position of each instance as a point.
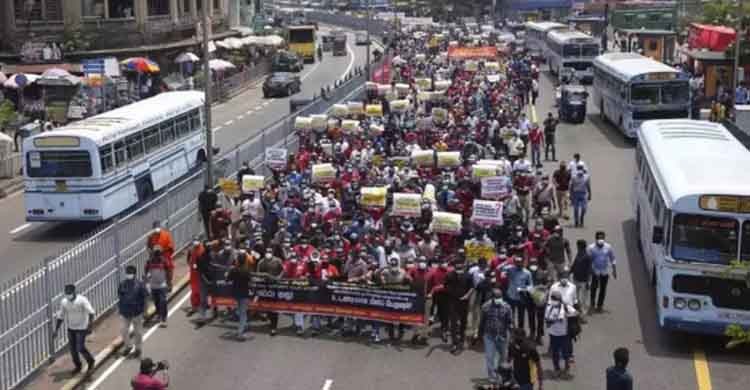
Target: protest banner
(399, 105)
(480, 171)
(479, 250)
(327, 147)
(356, 107)
(443, 222)
(439, 115)
(340, 110)
(407, 205)
(501, 165)
(495, 187)
(392, 303)
(302, 123)
(448, 159)
(424, 84)
(487, 212)
(374, 110)
(423, 158)
(485, 52)
(349, 125)
(276, 158)
(373, 196)
(229, 187)
(323, 173)
(252, 183)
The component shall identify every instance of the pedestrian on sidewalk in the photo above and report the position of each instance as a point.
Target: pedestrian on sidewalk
(602, 263)
(132, 296)
(581, 271)
(560, 342)
(158, 279)
(534, 91)
(537, 140)
(494, 325)
(618, 377)
(561, 177)
(527, 364)
(163, 238)
(78, 315)
(580, 195)
(194, 253)
(239, 277)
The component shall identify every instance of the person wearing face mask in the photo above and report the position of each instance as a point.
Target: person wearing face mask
(566, 289)
(580, 195)
(561, 178)
(131, 305)
(556, 317)
(558, 252)
(296, 269)
(239, 277)
(495, 323)
(459, 287)
(162, 238)
(519, 281)
(194, 253)
(602, 264)
(436, 292)
(418, 276)
(158, 276)
(394, 274)
(272, 268)
(78, 314)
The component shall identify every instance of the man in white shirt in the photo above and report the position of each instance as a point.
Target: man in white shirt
(567, 290)
(78, 315)
(576, 163)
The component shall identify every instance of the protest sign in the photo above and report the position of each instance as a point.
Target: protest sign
(407, 205)
(471, 66)
(302, 123)
(252, 183)
(402, 89)
(373, 196)
(442, 85)
(424, 84)
(323, 173)
(319, 121)
(487, 212)
(374, 110)
(443, 222)
(276, 158)
(423, 158)
(356, 107)
(495, 187)
(429, 193)
(486, 52)
(350, 125)
(340, 110)
(479, 250)
(229, 187)
(376, 129)
(448, 159)
(399, 105)
(480, 171)
(439, 115)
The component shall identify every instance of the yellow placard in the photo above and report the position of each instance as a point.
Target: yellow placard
(493, 66)
(475, 251)
(443, 222)
(373, 196)
(377, 160)
(448, 159)
(407, 205)
(252, 183)
(423, 158)
(480, 171)
(323, 173)
(340, 110)
(229, 187)
(374, 110)
(350, 125)
(424, 84)
(471, 66)
(439, 115)
(399, 105)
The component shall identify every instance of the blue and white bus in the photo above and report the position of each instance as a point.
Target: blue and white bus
(571, 53)
(691, 200)
(630, 88)
(96, 168)
(536, 34)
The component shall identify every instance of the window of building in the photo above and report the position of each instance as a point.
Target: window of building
(186, 6)
(38, 9)
(158, 7)
(121, 9)
(94, 8)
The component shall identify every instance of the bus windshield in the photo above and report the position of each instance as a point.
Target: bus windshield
(644, 94)
(704, 239)
(571, 51)
(590, 50)
(301, 36)
(675, 93)
(653, 94)
(68, 163)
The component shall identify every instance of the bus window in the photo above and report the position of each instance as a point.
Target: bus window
(675, 93)
(167, 131)
(106, 158)
(63, 163)
(151, 139)
(705, 239)
(135, 146)
(195, 119)
(590, 50)
(745, 243)
(571, 50)
(182, 125)
(121, 155)
(644, 94)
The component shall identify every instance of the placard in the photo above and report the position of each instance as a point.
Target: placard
(373, 197)
(402, 89)
(429, 193)
(448, 159)
(480, 171)
(448, 223)
(471, 66)
(252, 183)
(383, 89)
(323, 173)
(479, 250)
(374, 110)
(229, 187)
(376, 129)
(399, 105)
(424, 84)
(356, 107)
(350, 125)
(439, 115)
(319, 121)
(407, 205)
(340, 110)
(442, 85)
(303, 123)
(487, 212)
(276, 158)
(423, 158)
(495, 187)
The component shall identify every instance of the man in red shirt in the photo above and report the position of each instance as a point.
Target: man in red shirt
(436, 291)
(536, 138)
(146, 379)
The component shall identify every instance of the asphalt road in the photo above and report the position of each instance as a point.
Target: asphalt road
(24, 244)
(207, 358)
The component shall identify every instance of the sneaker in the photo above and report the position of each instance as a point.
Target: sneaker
(273, 332)
(90, 368)
(163, 324)
(300, 331)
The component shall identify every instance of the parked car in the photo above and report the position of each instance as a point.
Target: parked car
(286, 61)
(281, 84)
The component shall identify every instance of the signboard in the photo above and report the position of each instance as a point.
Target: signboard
(423, 84)
(495, 187)
(356, 107)
(374, 110)
(448, 159)
(229, 187)
(373, 197)
(448, 223)
(407, 205)
(725, 203)
(480, 171)
(439, 115)
(479, 250)
(303, 123)
(323, 173)
(463, 52)
(393, 303)
(487, 212)
(423, 158)
(276, 158)
(399, 105)
(252, 183)
(349, 125)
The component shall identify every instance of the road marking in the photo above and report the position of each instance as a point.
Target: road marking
(327, 385)
(702, 374)
(532, 113)
(20, 228)
(258, 108)
(317, 63)
(228, 123)
(266, 103)
(111, 369)
(241, 116)
(215, 129)
(351, 61)
(249, 112)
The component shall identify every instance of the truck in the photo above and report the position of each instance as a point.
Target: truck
(302, 41)
(339, 45)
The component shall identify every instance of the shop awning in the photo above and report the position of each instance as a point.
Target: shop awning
(41, 68)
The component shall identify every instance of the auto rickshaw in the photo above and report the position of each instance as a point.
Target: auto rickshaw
(572, 107)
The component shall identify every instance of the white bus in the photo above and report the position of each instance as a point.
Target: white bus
(630, 88)
(536, 34)
(691, 200)
(571, 53)
(96, 168)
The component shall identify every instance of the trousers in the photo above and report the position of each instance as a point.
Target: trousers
(136, 337)
(458, 316)
(598, 284)
(495, 351)
(77, 345)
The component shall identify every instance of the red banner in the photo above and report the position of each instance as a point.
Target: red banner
(462, 53)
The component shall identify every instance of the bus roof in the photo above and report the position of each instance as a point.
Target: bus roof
(563, 36)
(302, 27)
(120, 122)
(627, 66)
(544, 26)
(691, 157)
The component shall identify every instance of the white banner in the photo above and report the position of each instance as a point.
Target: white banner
(276, 158)
(407, 205)
(487, 212)
(495, 187)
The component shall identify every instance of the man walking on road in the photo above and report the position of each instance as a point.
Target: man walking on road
(561, 177)
(78, 315)
(493, 328)
(132, 296)
(580, 195)
(159, 281)
(550, 127)
(618, 377)
(602, 260)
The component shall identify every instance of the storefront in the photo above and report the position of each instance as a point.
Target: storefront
(656, 44)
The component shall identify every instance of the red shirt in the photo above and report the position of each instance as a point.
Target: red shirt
(536, 136)
(147, 382)
(294, 270)
(436, 279)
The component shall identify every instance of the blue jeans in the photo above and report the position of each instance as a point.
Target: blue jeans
(527, 386)
(495, 349)
(560, 346)
(580, 201)
(77, 345)
(159, 296)
(242, 313)
(536, 154)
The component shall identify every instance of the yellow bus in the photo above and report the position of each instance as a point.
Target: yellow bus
(302, 42)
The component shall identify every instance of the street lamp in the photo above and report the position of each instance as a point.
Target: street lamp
(207, 100)
(367, 28)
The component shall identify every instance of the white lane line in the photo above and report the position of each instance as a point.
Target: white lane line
(266, 103)
(317, 63)
(228, 123)
(20, 228)
(249, 112)
(327, 385)
(351, 61)
(258, 108)
(241, 116)
(111, 369)
(215, 129)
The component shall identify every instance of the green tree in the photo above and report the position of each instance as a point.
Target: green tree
(724, 13)
(7, 113)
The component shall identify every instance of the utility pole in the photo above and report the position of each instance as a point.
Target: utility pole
(207, 89)
(737, 42)
(369, 14)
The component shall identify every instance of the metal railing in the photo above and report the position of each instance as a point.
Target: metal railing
(10, 166)
(28, 301)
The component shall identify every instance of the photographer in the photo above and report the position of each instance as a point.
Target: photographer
(147, 380)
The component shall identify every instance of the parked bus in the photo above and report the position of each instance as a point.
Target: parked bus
(570, 53)
(302, 42)
(94, 169)
(691, 201)
(536, 34)
(630, 88)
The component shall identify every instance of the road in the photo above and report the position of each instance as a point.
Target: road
(24, 244)
(207, 358)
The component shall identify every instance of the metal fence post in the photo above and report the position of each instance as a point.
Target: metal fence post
(50, 309)
(118, 245)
